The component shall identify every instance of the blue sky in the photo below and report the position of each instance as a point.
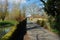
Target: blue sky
(27, 2)
(38, 2)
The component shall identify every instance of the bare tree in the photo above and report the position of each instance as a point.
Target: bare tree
(33, 9)
(3, 9)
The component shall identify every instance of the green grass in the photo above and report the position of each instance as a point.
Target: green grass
(11, 21)
(55, 31)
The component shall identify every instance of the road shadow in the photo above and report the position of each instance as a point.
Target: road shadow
(21, 30)
(35, 27)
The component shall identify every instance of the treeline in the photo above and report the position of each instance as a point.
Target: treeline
(10, 11)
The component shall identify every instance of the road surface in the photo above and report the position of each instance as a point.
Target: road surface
(36, 32)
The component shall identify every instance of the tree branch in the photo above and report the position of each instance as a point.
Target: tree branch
(43, 2)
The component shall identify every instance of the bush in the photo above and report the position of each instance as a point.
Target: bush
(38, 21)
(41, 23)
(54, 25)
(5, 24)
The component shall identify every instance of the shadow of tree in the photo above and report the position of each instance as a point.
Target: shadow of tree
(20, 31)
(32, 28)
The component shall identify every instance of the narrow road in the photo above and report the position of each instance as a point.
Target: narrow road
(36, 32)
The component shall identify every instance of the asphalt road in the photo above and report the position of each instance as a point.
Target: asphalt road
(36, 32)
